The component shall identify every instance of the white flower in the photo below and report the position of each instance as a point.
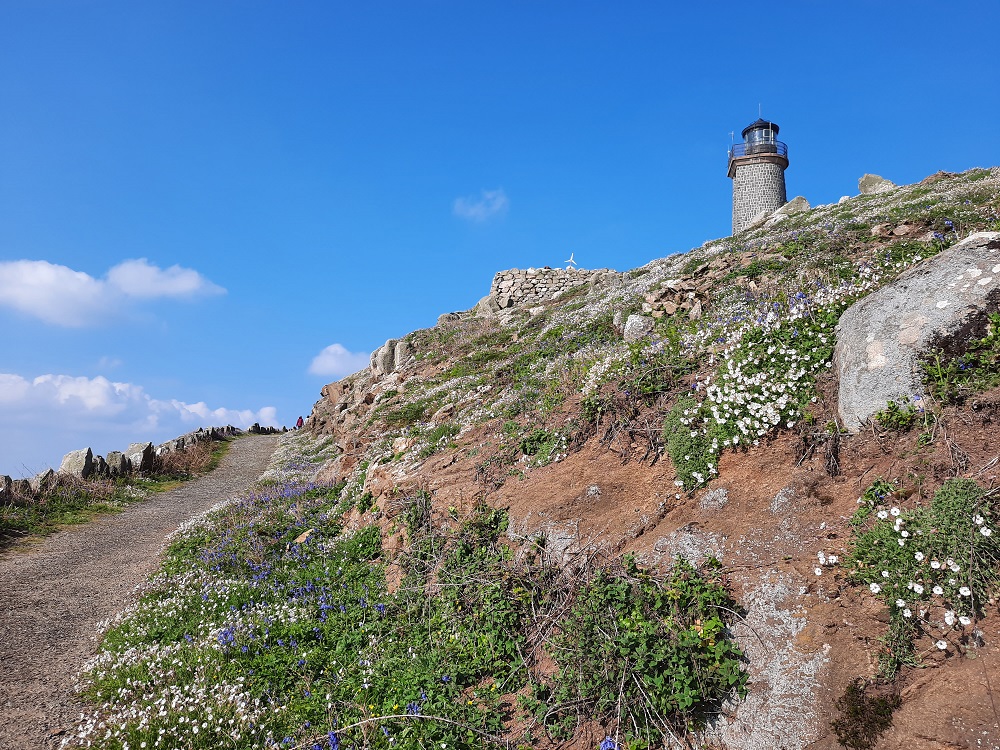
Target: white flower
(937, 590)
(818, 571)
(900, 603)
(942, 645)
(965, 620)
(832, 559)
(978, 520)
(985, 531)
(904, 533)
(885, 573)
(965, 591)
(954, 567)
(875, 588)
(907, 612)
(935, 564)
(882, 514)
(949, 618)
(822, 558)
(918, 589)
(895, 511)
(918, 556)
(901, 542)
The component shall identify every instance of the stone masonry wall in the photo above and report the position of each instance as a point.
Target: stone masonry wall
(757, 188)
(517, 288)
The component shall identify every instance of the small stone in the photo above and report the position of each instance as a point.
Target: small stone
(637, 327)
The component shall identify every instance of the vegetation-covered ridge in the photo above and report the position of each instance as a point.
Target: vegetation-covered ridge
(378, 591)
(733, 370)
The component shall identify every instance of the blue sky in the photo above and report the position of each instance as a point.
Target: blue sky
(197, 199)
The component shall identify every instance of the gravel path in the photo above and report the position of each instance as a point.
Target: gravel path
(53, 596)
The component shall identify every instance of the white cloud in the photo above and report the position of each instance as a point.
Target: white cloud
(490, 203)
(59, 295)
(137, 278)
(108, 362)
(337, 362)
(50, 415)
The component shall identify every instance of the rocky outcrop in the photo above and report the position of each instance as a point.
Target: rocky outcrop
(391, 356)
(78, 464)
(872, 184)
(517, 288)
(689, 293)
(939, 304)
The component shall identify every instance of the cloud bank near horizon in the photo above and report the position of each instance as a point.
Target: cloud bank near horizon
(49, 415)
(58, 295)
(490, 203)
(336, 361)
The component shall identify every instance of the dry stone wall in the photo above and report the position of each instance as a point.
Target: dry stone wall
(517, 288)
(84, 464)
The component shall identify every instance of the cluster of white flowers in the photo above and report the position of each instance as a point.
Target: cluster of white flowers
(931, 587)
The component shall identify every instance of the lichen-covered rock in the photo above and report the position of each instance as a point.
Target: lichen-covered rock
(939, 304)
(383, 359)
(402, 355)
(118, 464)
(79, 464)
(141, 456)
(871, 184)
(637, 327)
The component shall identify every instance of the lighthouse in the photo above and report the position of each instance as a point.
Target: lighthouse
(757, 169)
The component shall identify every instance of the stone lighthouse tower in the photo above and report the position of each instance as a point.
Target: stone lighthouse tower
(757, 169)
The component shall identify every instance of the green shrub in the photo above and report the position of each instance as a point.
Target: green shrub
(655, 653)
(901, 417)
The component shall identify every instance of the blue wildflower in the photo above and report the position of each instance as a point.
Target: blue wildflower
(609, 744)
(332, 739)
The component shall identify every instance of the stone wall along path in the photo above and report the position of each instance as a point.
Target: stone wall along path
(53, 596)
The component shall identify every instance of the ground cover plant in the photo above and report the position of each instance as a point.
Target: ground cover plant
(934, 567)
(272, 626)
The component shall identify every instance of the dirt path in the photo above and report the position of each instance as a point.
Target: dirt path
(53, 596)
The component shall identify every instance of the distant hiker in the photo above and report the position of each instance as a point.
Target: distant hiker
(299, 423)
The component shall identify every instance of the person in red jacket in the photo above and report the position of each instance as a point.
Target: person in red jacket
(298, 423)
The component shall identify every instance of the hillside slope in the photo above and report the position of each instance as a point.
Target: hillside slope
(713, 435)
